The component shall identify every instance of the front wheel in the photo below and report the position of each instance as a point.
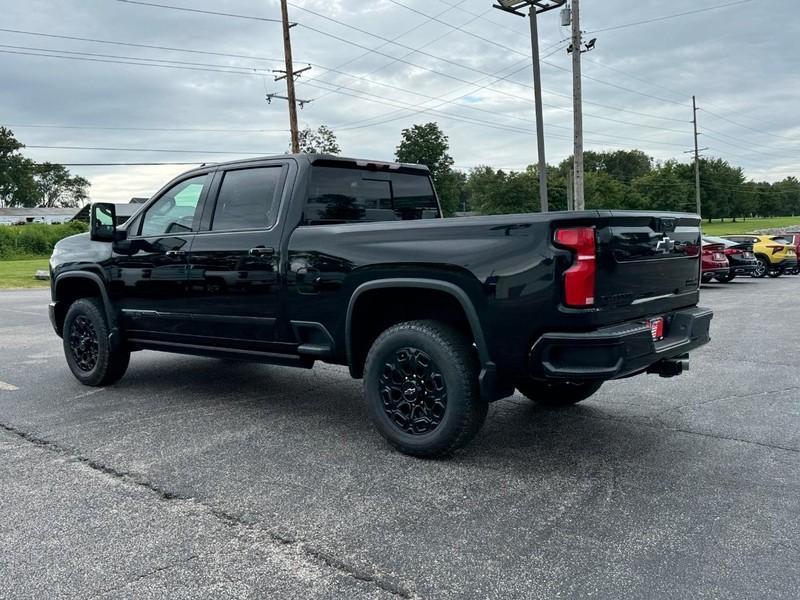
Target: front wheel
(90, 355)
(421, 387)
(558, 394)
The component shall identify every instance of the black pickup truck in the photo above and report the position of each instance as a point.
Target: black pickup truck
(294, 259)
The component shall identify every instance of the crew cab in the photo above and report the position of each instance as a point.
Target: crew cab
(302, 258)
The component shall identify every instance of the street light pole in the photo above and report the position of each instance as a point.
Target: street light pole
(536, 7)
(537, 84)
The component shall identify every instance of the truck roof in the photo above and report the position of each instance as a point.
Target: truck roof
(326, 158)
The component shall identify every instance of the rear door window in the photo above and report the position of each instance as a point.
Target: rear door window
(247, 199)
(341, 195)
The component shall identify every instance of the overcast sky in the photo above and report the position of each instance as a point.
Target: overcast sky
(741, 61)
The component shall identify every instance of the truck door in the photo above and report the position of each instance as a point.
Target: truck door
(149, 272)
(235, 260)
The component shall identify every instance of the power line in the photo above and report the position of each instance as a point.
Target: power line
(137, 45)
(197, 10)
(106, 149)
(249, 71)
(748, 128)
(672, 16)
(164, 129)
(134, 164)
(436, 57)
(125, 62)
(335, 70)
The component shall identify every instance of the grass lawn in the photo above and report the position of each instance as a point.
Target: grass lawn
(19, 273)
(728, 228)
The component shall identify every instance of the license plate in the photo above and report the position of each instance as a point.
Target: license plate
(790, 251)
(656, 328)
(748, 255)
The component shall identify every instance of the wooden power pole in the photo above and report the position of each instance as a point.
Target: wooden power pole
(696, 158)
(292, 99)
(577, 105)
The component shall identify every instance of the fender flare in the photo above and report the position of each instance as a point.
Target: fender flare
(101, 286)
(490, 387)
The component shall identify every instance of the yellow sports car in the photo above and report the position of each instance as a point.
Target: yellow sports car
(775, 256)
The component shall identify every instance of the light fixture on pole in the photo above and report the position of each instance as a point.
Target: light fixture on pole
(535, 7)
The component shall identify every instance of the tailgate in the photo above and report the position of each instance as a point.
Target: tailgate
(647, 263)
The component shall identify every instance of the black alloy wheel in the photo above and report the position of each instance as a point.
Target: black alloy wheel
(413, 391)
(83, 343)
(92, 356)
(421, 387)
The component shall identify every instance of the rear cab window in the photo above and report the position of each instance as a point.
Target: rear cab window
(248, 199)
(343, 194)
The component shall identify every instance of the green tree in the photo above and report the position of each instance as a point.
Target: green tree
(428, 145)
(319, 141)
(17, 185)
(57, 188)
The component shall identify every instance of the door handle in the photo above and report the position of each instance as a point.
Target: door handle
(176, 253)
(261, 251)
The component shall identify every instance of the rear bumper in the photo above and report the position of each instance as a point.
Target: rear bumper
(717, 272)
(618, 351)
(786, 264)
(743, 269)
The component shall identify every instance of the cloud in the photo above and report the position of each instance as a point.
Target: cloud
(740, 62)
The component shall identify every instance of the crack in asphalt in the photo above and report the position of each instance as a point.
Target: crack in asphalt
(371, 576)
(149, 573)
(723, 398)
(687, 431)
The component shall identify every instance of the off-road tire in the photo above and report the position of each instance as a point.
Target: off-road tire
(457, 367)
(87, 348)
(558, 395)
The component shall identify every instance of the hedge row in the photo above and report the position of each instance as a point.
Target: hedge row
(35, 239)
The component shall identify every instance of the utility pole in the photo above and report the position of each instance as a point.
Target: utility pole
(535, 7)
(577, 104)
(292, 99)
(696, 157)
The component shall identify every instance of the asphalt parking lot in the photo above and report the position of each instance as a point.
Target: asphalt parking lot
(195, 478)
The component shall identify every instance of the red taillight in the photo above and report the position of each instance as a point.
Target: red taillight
(730, 251)
(579, 278)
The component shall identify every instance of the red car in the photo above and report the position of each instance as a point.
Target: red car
(715, 263)
(793, 237)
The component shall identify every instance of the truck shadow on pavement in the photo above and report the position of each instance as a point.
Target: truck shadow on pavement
(325, 407)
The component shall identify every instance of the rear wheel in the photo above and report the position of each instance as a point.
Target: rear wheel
(726, 278)
(761, 268)
(707, 278)
(560, 394)
(89, 353)
(421, 386)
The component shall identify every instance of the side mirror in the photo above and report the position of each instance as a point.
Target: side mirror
(103, 222)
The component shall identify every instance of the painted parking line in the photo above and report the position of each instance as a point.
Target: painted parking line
(7, 387)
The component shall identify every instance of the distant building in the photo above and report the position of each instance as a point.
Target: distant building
(21, 216)
(53, 216)
(124, 211)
